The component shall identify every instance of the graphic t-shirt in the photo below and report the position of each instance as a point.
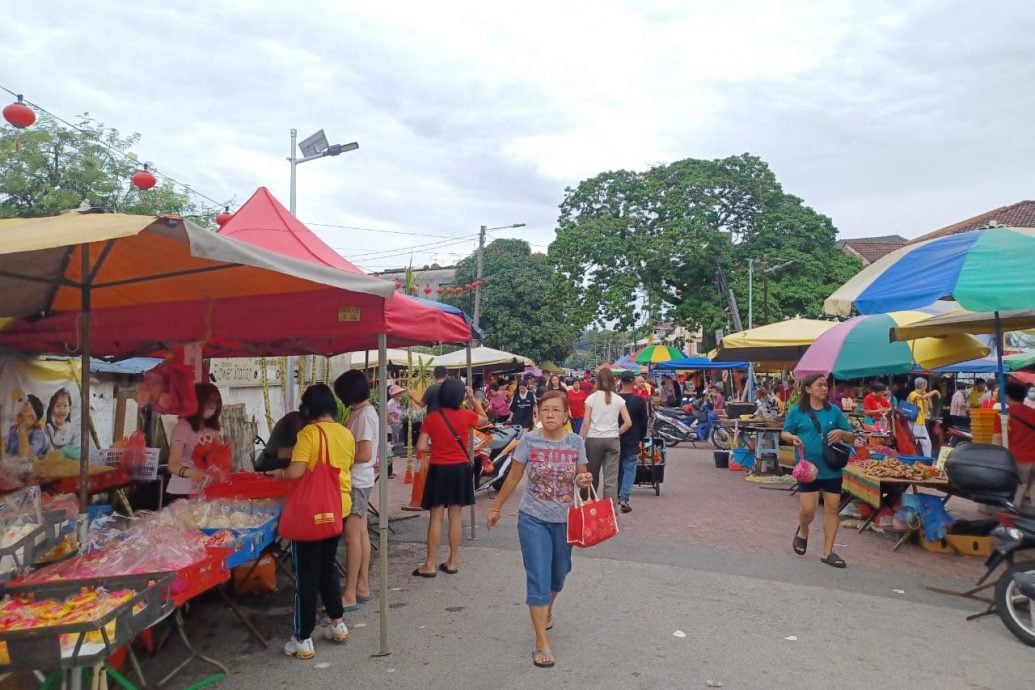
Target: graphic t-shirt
(550, 467)
(523, 408)
(364, 426)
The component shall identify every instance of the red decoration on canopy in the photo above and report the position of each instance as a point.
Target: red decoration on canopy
(440, 290)
(450, 291)
(144, 179)
(427, 289)
(224, 217)
(19, 116)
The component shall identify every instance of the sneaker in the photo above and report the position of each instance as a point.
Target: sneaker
(338, 633)
(302, 650)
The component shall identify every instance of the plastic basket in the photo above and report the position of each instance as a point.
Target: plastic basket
(114, 457)
(249, 485)
(745, 457)
(249, 543)
(201, 576)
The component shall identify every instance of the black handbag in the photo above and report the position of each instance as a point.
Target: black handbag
(835, 454)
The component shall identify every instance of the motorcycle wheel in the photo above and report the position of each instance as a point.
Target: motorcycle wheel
(721, 438)
(669, 433)
(1016, 610)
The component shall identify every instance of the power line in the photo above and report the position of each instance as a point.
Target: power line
(186, 187)
(385, 253)
(380, 230)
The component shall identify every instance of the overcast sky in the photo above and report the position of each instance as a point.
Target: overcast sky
(890, 117)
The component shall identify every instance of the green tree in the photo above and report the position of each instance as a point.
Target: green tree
(637, 247)
(60, 167)
(515, 312)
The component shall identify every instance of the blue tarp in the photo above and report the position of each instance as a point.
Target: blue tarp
(133, 365)
(698, 363)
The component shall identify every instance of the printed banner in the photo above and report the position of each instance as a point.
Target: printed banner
(39, 406)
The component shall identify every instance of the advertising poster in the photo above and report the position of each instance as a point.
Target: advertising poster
(39, 405)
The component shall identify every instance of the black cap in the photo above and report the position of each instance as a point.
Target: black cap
(627, 377)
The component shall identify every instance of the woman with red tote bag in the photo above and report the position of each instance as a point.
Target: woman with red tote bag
(323, 453)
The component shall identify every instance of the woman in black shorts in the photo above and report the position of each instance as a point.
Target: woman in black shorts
(800, 428)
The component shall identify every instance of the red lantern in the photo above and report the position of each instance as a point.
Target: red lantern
(144, 179)
(450, 291)
(19, 115)
(440, 290)
(398, 285)
(479, 283)
(224, 217)
(427, 289)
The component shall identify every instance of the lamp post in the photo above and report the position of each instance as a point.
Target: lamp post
(314, 146)
(478, 278)
(751, 287)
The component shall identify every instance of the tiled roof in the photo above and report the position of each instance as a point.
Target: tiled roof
(1019, 215)
(872, 248)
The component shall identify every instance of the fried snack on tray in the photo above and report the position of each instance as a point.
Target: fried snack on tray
(890, 468)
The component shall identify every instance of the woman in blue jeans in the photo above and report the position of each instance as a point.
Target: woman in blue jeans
(554, 459)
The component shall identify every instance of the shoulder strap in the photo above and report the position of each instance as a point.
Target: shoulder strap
(324, 452)
(815, 421)
(456, 436)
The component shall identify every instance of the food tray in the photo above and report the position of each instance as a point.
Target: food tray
(22, 552)
(250, 542)
(249, 485)
(67, 646)
(114, 457)
(201, 576)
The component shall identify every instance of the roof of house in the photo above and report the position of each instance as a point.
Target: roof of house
(869, 249)
(1019, 215)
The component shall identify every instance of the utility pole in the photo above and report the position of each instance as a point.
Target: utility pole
(478, 278)
(751, 293)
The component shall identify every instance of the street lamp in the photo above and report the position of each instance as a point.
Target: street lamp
(314, 146)
(478, 279)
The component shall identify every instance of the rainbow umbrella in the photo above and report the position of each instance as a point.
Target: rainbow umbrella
(860, 347)
(984, 270)
(653, 354)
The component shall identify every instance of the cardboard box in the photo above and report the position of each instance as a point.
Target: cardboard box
(940, 546)
(969, 545)
(252, 578)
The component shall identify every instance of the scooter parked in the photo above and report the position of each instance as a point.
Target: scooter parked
(676, 425)
(496, 452)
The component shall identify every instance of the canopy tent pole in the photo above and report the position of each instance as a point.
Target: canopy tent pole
(84, 394)
(382, 491)
(1004, 414)
(470, 441)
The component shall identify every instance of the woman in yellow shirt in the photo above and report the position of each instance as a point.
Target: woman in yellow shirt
(921, 397)
(316, 569)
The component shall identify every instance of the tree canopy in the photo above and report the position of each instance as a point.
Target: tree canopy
(635, 247)
(515, 313)
(60, 167)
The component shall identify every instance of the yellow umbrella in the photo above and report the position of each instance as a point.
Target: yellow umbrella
(784, 342)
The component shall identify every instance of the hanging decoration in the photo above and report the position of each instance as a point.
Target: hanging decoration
(450, 291)
(440, 290)
(224, 217)
(19, 116)
(427, 289)
(144, 179)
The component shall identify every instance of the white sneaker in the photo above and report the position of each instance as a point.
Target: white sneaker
(302, 650)
(337, 633)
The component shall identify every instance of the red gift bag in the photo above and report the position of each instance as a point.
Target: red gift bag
(591, 522)
(313, 510)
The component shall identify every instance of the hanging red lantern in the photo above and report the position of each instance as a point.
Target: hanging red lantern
(224, 217)
(19, 116)
(479, 283)
(450, 291)
(440, 290)
(144, 179)
(427, 289)
(398, 285)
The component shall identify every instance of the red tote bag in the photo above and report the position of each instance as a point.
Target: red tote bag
(313, 510)
(591, 522)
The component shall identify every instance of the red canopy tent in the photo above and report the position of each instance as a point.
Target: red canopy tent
(264, 222)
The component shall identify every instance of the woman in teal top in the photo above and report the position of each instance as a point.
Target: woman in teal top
(800, 430)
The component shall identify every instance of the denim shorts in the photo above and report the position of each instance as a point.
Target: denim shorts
(547, 556)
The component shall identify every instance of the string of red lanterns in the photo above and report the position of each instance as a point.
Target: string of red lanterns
(19, 116)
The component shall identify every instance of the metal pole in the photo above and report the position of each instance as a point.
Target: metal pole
(382, 492)
(470, 434)
(290, 387)
(478, 278)
(1004, 414)
(84, 394)
(751, 293)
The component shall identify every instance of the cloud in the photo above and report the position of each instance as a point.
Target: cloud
(886, 116)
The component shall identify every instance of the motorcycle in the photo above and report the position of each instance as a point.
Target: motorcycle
(688, 423)
(494, 448)
(955, 436)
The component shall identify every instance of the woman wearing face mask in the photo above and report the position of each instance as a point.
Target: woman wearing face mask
(200, 427)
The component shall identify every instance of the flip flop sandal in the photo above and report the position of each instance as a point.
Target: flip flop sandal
(543, 653)
(351, 609)
(800, 544)
(360, 599)
(549, 623)
(834, 561)
(444, 568)
(418, 573)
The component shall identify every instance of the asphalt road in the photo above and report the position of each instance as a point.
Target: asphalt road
(674, 601)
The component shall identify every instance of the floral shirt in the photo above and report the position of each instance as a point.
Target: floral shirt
(550, 468)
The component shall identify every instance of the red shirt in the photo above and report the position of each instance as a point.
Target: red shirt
(1022, 433)
(577, 402)
(875, 401)
(444, 448)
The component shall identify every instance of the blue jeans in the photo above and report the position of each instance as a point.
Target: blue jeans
(547, 556)
(576, 424)
(626, 477)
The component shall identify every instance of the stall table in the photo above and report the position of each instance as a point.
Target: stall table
(878, 492)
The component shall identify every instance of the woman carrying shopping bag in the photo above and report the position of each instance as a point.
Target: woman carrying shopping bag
(323, 454)
(555, 460)
(606, 420)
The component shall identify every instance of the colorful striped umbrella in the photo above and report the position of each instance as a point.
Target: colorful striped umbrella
(652, 354)
(860, 347)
